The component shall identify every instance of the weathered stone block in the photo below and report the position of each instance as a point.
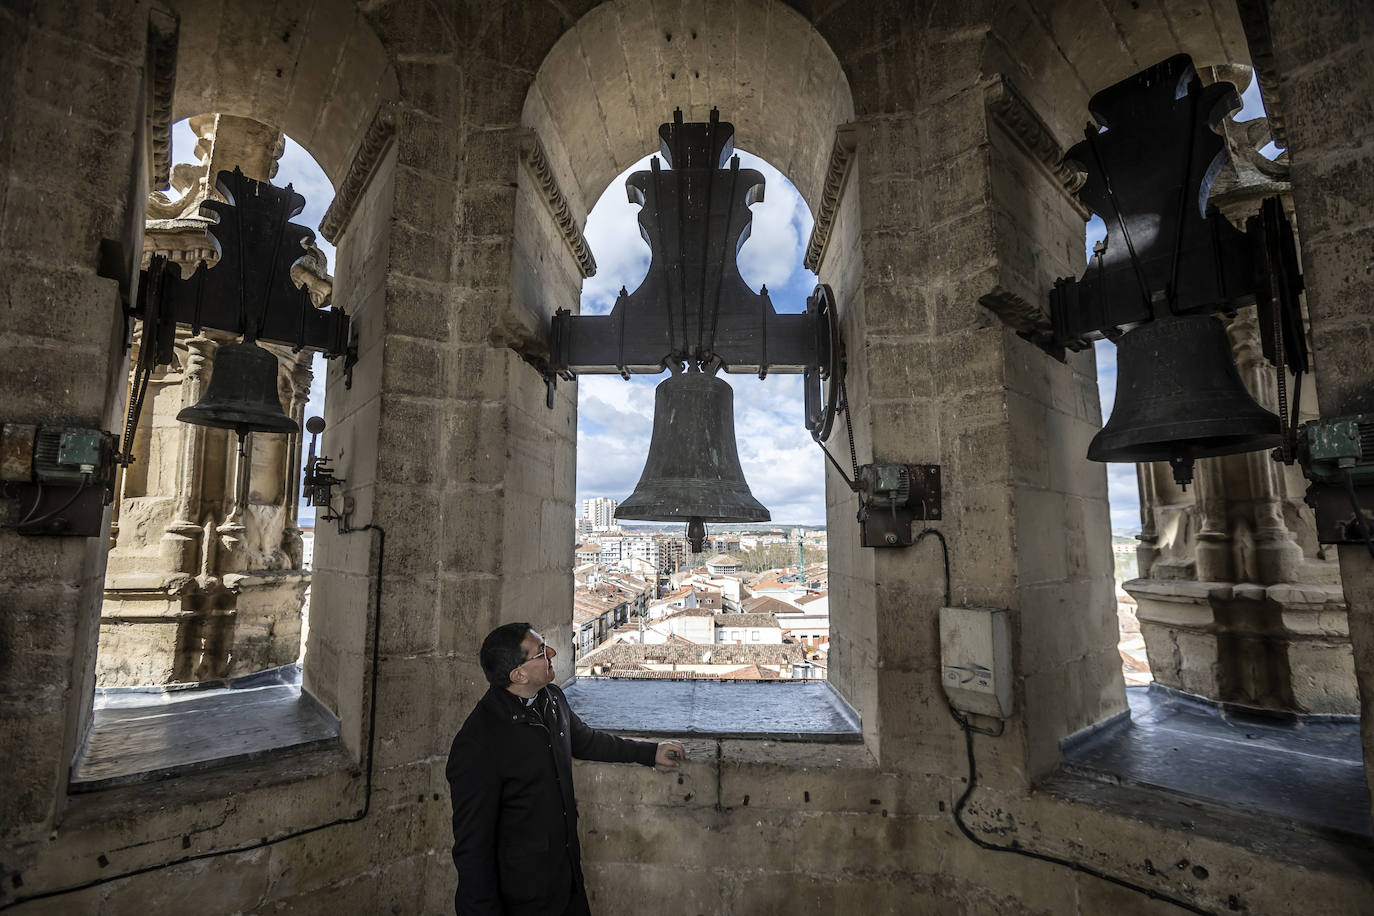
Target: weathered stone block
(414, 367)
(473, 531)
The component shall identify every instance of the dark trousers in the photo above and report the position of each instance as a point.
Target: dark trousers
(577, 905)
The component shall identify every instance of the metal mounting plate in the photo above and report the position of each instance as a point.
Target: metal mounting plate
(889, 525)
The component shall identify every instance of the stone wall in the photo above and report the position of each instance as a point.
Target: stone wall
(448, 254)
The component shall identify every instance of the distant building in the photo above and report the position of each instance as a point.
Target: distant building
(661, 554)
(722, 564)
(678, 659)
(600, 512)
(748, 629)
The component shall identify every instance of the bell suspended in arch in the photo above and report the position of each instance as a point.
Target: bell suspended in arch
(1179, 397)
(242, 393)
(693, 473)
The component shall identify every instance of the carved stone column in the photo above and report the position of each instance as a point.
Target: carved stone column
(181, 537)
(1213, 551)
(301, 378)
(205, 578)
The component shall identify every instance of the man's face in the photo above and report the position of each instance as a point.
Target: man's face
(538, 665)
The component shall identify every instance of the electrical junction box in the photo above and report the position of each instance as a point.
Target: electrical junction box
(975, 660)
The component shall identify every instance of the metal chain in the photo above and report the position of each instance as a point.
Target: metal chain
(849, 428)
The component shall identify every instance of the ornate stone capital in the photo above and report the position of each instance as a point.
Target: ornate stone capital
(1010, 109)
(380, 132)
(1254, 18)
(836, 177)
(536, 159)
(163, 31)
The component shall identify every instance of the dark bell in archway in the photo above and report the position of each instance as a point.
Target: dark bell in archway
(1179, 397)
(241, 394)
(693, 472)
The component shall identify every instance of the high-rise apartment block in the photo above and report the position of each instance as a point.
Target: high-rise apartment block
(600, 511)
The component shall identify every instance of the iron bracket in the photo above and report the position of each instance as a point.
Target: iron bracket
(892, 497)
(1337, 456)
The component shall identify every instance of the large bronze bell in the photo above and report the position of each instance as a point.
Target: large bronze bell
(1179, 397)
(693, 472)
(242, 393)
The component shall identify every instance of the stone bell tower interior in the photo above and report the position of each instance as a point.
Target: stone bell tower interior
(942, 152)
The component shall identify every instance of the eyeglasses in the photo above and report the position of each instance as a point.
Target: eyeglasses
(542, 653)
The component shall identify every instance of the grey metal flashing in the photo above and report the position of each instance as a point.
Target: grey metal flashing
(1304, 769)
(142, 734)
(772, 710)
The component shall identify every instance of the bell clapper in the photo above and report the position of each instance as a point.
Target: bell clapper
(696, 533)
(1183, 470)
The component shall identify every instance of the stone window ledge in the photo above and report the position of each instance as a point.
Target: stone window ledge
(801, 711)
(1304, 771)
(142, 734)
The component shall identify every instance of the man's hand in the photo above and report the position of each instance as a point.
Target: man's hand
(670, 754)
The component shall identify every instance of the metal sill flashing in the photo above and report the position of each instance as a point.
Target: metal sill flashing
(1307, 770)
(143, 734)
(801, 710)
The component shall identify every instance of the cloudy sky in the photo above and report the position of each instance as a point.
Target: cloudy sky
(615, 417)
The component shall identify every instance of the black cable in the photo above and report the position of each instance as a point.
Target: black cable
(367, 778)
(1054, 860)
(845, 477)
(1360, 525)
(853, 455)
(969, 729)
(28, 521)
(849, 427)
(126, 456)
(37, 498)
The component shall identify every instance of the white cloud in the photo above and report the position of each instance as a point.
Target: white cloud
(773, 253)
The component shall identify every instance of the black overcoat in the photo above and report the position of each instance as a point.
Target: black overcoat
(514, 815)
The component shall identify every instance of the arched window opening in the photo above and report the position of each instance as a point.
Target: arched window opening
(209, 565)
(1221, 585)
(753, 604)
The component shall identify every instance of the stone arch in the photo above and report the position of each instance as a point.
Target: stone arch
(1059, 54)
(609, 82)
(316, 72)
(320, 75)
(1055, 57)
(605, 86)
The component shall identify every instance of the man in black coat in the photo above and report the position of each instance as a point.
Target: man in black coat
(510, 779)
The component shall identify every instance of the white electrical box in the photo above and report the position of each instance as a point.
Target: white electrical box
(975, 660)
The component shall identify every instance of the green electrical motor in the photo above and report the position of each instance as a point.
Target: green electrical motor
(1337, 455)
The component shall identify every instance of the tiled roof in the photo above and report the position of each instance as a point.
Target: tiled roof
(722, 559)
(807, 599)
(746, 620)
(765, 604)
(690, 612)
